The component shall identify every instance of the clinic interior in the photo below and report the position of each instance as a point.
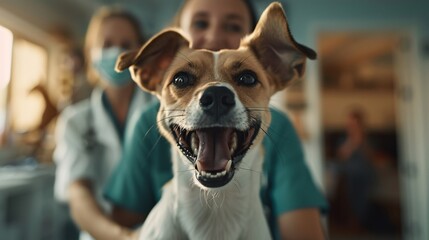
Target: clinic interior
(373, 61)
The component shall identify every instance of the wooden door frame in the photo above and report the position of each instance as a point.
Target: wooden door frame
(417, 217)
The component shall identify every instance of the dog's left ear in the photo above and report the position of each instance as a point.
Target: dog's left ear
(276, 49)
(148, 65)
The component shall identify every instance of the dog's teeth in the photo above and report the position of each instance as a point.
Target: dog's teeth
(194, 143)
(233, 143)
(228, 166)
(212, 175)
(198, 166)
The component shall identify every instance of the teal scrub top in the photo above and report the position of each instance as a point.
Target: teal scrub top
(146, 166)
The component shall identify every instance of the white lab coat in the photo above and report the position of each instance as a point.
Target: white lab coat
(79, 154)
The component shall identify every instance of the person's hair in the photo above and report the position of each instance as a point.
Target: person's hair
(93, 31)
(253, 17)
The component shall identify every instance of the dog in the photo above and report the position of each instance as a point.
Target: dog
(214, 108)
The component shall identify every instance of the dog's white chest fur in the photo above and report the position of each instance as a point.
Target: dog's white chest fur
(214, 117)
(187, 211)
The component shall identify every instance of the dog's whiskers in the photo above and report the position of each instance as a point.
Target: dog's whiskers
(206, 197)
(183, 171)
(158, 121)
(159, 137)
(265, 131)
(173, 110)
(213, 199)
(223, 200)
(263, 124)
(243, 60)
(258, 109)
(237, 185)
(201, 193)
(270, 138)
(250, 170)
(154, 146)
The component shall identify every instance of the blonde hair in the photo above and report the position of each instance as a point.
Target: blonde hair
(93, 31)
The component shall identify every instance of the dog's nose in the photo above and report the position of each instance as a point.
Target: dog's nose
(217, 100)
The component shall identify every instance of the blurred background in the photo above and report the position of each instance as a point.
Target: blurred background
(370, 79)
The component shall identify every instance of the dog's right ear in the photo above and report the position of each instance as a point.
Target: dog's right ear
(148, 64)
(272, 42)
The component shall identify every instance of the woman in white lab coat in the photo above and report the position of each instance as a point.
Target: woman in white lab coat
(90, 133)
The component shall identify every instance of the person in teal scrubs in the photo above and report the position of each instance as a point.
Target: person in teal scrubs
(291, 200)
(89, 134)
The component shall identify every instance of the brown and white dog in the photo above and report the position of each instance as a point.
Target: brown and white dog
(214, 107)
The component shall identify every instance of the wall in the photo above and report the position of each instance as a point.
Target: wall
(67, 16)
(378, 107)
(304, 14)
(308, 18)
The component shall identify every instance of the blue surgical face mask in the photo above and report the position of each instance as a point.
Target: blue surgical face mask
(104, 62)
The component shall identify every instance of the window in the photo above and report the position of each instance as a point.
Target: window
(6, 44)
(30, 64)
(23, 66)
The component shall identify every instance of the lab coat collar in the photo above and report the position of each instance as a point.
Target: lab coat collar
(105, 130)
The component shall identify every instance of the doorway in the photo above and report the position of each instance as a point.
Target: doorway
(360, 133)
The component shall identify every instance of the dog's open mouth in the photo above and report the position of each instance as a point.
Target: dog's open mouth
(215, 152)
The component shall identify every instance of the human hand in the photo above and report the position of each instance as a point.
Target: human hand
(131, 234)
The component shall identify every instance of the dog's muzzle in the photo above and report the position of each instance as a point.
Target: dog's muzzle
(215, 151)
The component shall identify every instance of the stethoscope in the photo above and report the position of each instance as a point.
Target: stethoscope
(89, 137)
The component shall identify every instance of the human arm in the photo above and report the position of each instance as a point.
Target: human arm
(296, 202)
(127, 218)
(88, 215)
(301, 224)
(135, 186)
(76, 176)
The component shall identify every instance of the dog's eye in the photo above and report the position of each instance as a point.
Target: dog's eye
(183, 80)
(247, 78)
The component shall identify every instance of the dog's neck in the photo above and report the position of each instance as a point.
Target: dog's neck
(219, 211)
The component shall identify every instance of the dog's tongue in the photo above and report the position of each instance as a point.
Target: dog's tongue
(214, 153)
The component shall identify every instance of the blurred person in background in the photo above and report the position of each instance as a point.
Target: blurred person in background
(292, 201)
(90, 133)
(355, 154)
